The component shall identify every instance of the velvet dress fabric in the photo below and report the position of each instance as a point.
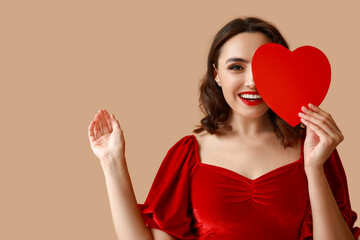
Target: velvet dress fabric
(189, 199)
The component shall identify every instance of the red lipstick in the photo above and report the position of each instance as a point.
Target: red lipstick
(250, 102)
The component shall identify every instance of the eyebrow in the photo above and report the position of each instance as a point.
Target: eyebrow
(236, 59)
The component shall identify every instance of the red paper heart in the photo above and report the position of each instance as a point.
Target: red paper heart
(289, 80)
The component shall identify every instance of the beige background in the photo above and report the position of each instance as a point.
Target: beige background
(61, 61)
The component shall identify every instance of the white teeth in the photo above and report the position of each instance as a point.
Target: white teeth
(250, 96)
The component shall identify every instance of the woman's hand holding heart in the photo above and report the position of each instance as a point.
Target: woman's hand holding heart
(322, 136)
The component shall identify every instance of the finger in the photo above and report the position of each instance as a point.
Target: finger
(322, 116)
(107, 118)
(115, 124)
(319, 123)
(317, 114)
(91, 131)
(324, 113)
(336, 134)
(321, 133)
(97, 129)
(319, 110)
(103, 122)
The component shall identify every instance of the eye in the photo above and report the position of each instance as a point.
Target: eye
(236, 67)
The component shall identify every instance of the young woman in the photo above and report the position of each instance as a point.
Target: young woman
(249, 175)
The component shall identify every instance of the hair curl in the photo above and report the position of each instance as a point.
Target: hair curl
(212, 101)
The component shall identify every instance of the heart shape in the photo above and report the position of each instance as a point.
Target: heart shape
(289, 80)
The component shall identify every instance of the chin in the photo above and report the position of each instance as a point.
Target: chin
(254, 114)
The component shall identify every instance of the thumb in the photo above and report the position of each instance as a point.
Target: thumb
(114, 123)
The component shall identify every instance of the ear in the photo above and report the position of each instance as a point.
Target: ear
(216, 76)
(215, 71)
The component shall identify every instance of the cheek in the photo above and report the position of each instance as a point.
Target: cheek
(229, 92)
(232, 81)
(231, 87)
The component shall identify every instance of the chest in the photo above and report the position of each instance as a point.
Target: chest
(249, 160)
(228, 206)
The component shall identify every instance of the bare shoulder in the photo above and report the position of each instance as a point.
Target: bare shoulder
(204, 138)
(210, 147)
(158, 234)
(200, 136)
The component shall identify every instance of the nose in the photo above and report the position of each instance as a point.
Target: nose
(250, 80)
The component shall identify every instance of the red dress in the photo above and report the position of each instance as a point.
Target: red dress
(193, 200)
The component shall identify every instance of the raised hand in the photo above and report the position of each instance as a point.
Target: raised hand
(322, 135)
(107, 142)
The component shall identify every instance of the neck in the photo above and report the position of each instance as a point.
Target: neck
(243, 127)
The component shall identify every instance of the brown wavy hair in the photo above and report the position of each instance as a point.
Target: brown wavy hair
(211, 98)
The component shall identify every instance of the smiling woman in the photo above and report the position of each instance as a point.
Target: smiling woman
(227, 184)
(213, 102)
(249, 176)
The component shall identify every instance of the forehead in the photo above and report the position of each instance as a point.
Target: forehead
(243, 45)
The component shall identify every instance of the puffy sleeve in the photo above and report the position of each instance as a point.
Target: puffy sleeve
(336, 177)
(168, 206)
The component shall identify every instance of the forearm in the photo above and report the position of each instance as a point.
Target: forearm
(126, 216)
(328, 222)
